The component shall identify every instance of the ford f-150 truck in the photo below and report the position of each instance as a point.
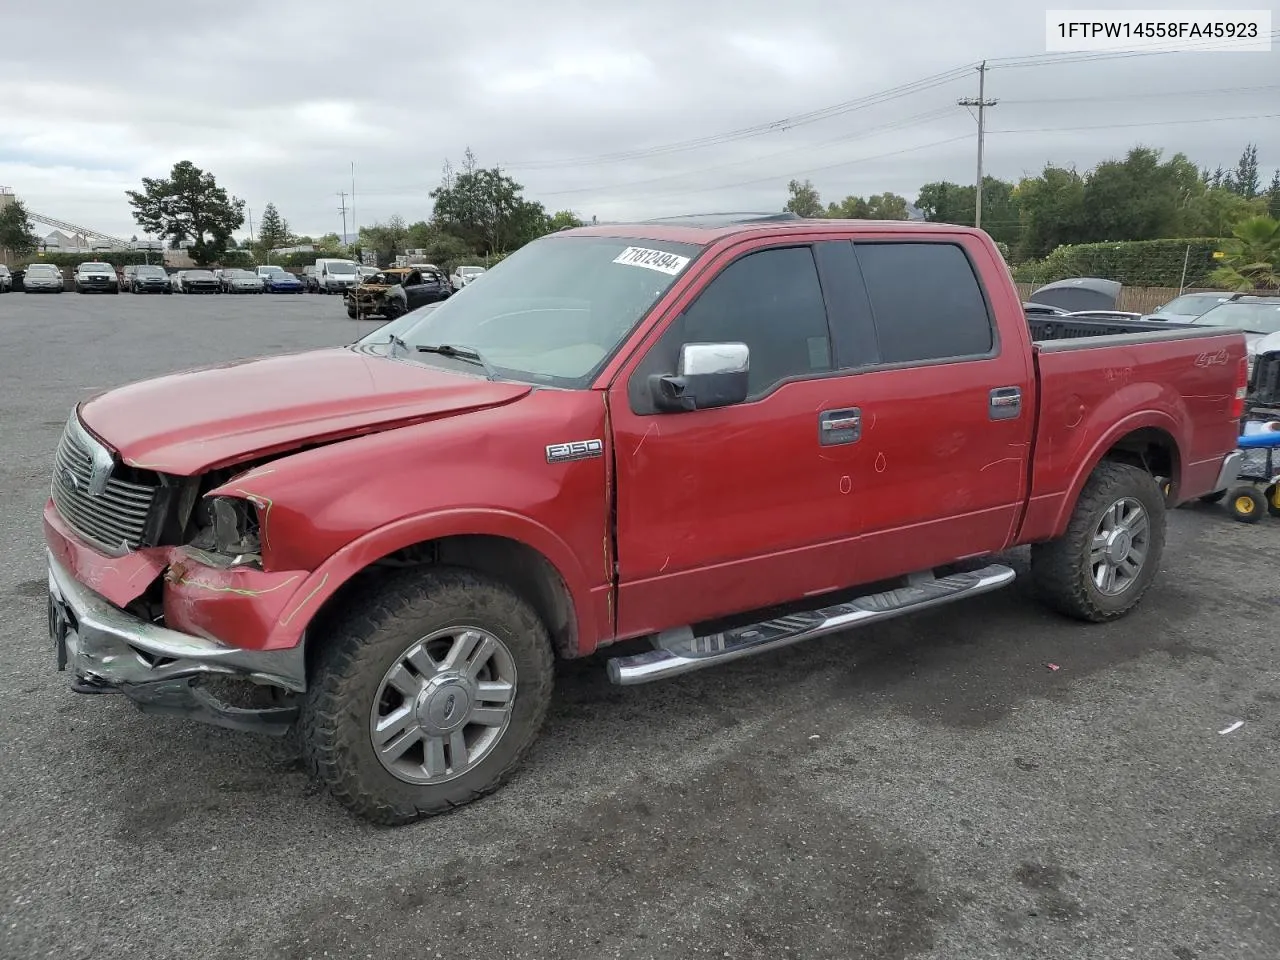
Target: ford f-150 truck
(719, 436)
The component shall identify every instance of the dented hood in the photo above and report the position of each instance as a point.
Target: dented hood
(193, 421)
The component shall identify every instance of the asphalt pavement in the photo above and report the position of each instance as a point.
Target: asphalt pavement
(983, 781)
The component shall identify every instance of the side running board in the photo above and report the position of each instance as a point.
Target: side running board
(679, 651)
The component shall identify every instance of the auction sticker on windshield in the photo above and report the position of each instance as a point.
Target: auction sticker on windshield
(660, 260)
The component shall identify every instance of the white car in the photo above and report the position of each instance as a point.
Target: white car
(6, 279)
(464, 275)
(42, 277)
(96, 276)
(175, 281)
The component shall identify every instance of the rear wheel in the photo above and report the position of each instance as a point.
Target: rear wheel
(1101, 566)
(351, 312)
(426, 695)
(1273, 500)
(1246, 504)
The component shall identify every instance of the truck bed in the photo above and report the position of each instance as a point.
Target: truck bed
(1072, 328)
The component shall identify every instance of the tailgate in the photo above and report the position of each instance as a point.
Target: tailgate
(1094, 390)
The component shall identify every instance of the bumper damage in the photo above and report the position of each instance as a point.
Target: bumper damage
(110, 650)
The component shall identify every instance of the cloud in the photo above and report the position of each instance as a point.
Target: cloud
(279, 100)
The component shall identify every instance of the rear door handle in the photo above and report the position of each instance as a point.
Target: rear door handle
(1004, 403)
(839, 426)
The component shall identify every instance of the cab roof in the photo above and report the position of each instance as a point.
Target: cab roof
(702, 229)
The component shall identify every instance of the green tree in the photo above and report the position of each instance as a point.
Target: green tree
(1246, 181)
(1050, 210)
(486, 209)
(946, 202)
(329, 243)
(16, 232)
(1214, 212)
(385, 238)
(803, 199)
(1137, 198)
(850, 208)
(562, 220)
(1273, 196)
(273, 229)
(1251, 258)
(188, 205)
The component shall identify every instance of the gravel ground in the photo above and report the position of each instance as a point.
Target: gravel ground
(926, 788)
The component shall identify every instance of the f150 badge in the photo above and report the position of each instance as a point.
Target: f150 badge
(574, 450)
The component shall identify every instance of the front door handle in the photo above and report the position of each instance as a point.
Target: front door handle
(839, 426)
(1004, 403)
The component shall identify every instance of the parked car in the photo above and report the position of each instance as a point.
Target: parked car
(465, 275)
(199, 281)
(336, 276)
(309, 277)
(1187, 307)
(614, 437)
(175, 280)
(149, 279)
(1042, 309)
(268, 270)
(42, 278)
(395, 291)
(96, 276)
(6, 279)
(283, 282)
(241, 281)
(1257, 316)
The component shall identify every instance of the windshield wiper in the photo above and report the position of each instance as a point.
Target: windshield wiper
(470, 354)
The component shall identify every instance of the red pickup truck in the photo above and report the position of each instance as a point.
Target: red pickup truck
(717, 435)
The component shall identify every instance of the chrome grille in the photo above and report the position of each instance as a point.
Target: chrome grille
(106, 511)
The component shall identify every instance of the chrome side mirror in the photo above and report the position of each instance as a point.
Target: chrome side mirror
(708, 375)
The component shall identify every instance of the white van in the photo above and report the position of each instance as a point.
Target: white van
(336, 276)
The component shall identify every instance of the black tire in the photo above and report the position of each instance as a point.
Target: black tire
(393, 309)
(1060, 569)
(351, 312)
(1246, 504)
(1215, 497)
(361, 645)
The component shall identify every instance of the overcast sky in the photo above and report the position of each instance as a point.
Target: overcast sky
(279, 99)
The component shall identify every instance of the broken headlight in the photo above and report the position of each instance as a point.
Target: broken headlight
(228, 534)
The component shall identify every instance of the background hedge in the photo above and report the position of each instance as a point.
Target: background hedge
(1135, 263)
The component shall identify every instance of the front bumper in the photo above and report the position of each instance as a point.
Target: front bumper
(110, 650)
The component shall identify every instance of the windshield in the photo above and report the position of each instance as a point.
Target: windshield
(263, 270)
(41, 270)
(150, 272)
(240, 275)
(343, 268)
(469, 271)
(198, 275)
(554, 311)
(1250, 317)
(1194, 304)
(103, 267)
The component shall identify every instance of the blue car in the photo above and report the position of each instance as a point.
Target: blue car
(282, 283)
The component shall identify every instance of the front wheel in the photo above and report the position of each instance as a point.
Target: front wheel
(1101, 566)
(426, 695)
(352, 313)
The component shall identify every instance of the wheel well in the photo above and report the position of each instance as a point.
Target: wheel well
(519, 566)
(1151, 449)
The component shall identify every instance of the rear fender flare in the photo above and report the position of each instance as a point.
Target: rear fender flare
(339, 568)
(1142, 420)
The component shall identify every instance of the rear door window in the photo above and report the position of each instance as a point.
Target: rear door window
(926, 302)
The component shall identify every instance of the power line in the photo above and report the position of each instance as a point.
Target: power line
(1140, 123)
(1158, 95)
(848, 106)
(848, 138)
(794, 173)
(786, 123)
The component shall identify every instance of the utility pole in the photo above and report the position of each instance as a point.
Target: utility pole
(981, 103)
(342, 195)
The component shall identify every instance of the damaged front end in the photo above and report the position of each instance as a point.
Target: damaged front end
(157, 590)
